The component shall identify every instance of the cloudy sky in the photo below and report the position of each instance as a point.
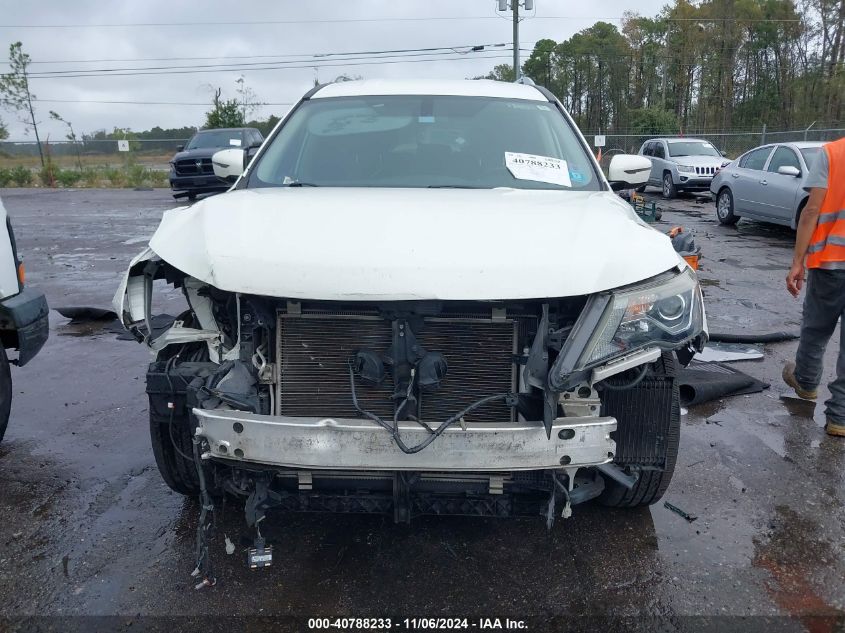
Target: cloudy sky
(300, 38)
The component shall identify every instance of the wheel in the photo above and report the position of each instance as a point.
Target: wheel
(5, 392)
(178, 472)
(651, 484)
(725, 208)
(669, 189)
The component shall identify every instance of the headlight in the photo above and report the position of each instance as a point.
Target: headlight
(663, 314)
(686, 169)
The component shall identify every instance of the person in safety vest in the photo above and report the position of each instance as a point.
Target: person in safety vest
(820, 246)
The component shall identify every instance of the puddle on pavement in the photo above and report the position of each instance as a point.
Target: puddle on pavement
(791, 552)
(710, 282)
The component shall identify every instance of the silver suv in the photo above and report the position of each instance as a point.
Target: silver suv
(682, 164)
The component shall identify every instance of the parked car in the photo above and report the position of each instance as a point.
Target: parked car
(681, 164)
(766, 183)
(421, 297)
(23, 316)
(191, 172)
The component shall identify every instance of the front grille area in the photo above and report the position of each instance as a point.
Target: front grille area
(313, 351)
(705, 171)
(189, 167)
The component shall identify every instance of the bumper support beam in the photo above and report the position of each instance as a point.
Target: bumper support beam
(355, 444)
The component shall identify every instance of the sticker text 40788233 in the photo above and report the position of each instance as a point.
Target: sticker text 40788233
(538, 168)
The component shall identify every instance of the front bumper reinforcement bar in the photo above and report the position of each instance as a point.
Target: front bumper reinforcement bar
(355, 444)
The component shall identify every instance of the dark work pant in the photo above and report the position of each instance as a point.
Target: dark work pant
(824, 303)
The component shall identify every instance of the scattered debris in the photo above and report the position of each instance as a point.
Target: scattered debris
(648, 211)
(679, 512)
(85, 314)
(230, 547)
(727, 352)
(701, 382)
(750, 337)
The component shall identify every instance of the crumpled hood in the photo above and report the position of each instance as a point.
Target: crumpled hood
(358, 244)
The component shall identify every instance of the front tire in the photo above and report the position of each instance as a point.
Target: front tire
(669, 189)
(725, 208)
(5, 392)
(178, 472)
(651, 484)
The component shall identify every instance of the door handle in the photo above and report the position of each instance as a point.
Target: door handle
(763, 182)
(735, 175)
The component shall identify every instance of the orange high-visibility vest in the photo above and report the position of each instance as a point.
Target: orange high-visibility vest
(827, 246)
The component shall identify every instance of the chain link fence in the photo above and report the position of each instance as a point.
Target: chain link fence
(732, 143)
(154, 153)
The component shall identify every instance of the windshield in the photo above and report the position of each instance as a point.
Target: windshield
(692, 148)
(426, 141)
(810, 154)
(216, 138)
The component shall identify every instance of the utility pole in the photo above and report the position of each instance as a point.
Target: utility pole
(514, 6)
(517, 73)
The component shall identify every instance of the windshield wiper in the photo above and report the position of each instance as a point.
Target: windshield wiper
(455, 187)
(301, 184)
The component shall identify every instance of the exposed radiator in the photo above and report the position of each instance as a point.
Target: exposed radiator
(313, 351)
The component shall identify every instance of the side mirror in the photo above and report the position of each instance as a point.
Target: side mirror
(627, 171)
(252, 150)
(723, 152)
(180, 148)
(789, 170)
(228, 164)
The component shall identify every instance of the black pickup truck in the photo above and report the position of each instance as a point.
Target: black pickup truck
(191, 172)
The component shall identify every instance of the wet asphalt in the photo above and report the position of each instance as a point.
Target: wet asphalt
(87, 527)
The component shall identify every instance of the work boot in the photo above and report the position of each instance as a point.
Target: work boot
(834, 428)
(789, 379)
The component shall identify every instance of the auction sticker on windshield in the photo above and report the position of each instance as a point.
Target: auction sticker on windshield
(538, 168)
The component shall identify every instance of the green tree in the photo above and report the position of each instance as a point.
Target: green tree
(224, 113)
(4, 132)
(266, 126)
(652, 121)
(15, 94)
(501, 72)
(538, 66)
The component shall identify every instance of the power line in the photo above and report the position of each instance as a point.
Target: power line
(455, 49)
(313, 64)
(242, 65)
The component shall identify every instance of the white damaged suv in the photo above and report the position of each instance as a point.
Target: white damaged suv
(418, 298)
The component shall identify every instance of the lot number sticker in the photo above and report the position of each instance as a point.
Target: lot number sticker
(538, 168)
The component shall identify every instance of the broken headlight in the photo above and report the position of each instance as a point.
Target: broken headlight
(663, 314)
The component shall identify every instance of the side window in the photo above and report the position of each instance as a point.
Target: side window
(659, 152)
(784, 157)
(755, 159)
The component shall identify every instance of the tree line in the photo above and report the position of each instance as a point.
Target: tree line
(713, 65)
